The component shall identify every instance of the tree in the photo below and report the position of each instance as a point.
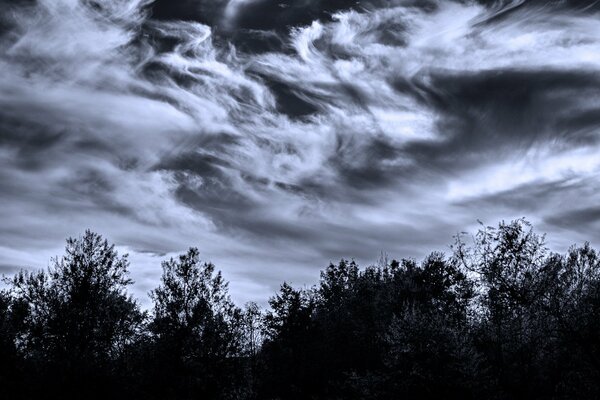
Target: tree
(511, 328)
(286, 355)
(11, 318)
(336, 280)
(291, 310)
(78, 318)
(252, 321)
(427, 350)
(500, 318)
(196, 326)
(252, 332)
(571, 307)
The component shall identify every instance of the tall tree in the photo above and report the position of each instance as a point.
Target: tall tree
(508, 263)
(287, 353)
(79, 319)
(196, 326)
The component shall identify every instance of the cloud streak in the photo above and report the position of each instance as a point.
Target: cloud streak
(279, 145)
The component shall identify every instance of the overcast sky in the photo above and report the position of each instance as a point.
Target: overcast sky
(277, 136)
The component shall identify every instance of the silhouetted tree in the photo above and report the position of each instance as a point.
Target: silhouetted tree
(343, 337)
(11, 322)
(252, 323)
(500, 318)
(78, 318)
(429, 352)
(571, 306)
(506, 261)
(286, 363)
(252, 330)
(197, 329)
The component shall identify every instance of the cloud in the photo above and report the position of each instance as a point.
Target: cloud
(276, 145)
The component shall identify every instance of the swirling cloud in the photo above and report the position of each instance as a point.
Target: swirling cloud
(277, 136)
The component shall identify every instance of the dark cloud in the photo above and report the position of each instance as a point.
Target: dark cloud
(281, 15)
(291, 101)
(526, 199)
(204, 11)
(8, 269)
(362, 164)
(288, 13)
(263, 25)
(576, 219)
(253, 14)
(512, 5)
(492, 113)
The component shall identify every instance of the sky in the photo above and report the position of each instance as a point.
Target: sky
(279, 136)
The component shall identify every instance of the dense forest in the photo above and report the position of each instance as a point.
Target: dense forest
(500, 317)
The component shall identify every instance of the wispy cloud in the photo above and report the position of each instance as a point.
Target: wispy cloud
(277, 146)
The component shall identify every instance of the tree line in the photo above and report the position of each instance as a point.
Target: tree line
(500, 317)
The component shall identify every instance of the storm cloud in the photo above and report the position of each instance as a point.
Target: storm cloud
(277, 135)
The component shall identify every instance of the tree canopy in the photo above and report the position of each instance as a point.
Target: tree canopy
(499, 317)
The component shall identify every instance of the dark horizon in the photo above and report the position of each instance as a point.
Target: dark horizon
(500, 318)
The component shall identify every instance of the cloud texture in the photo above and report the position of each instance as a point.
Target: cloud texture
(279, 135)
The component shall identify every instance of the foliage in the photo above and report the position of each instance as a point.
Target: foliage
(501, 317)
